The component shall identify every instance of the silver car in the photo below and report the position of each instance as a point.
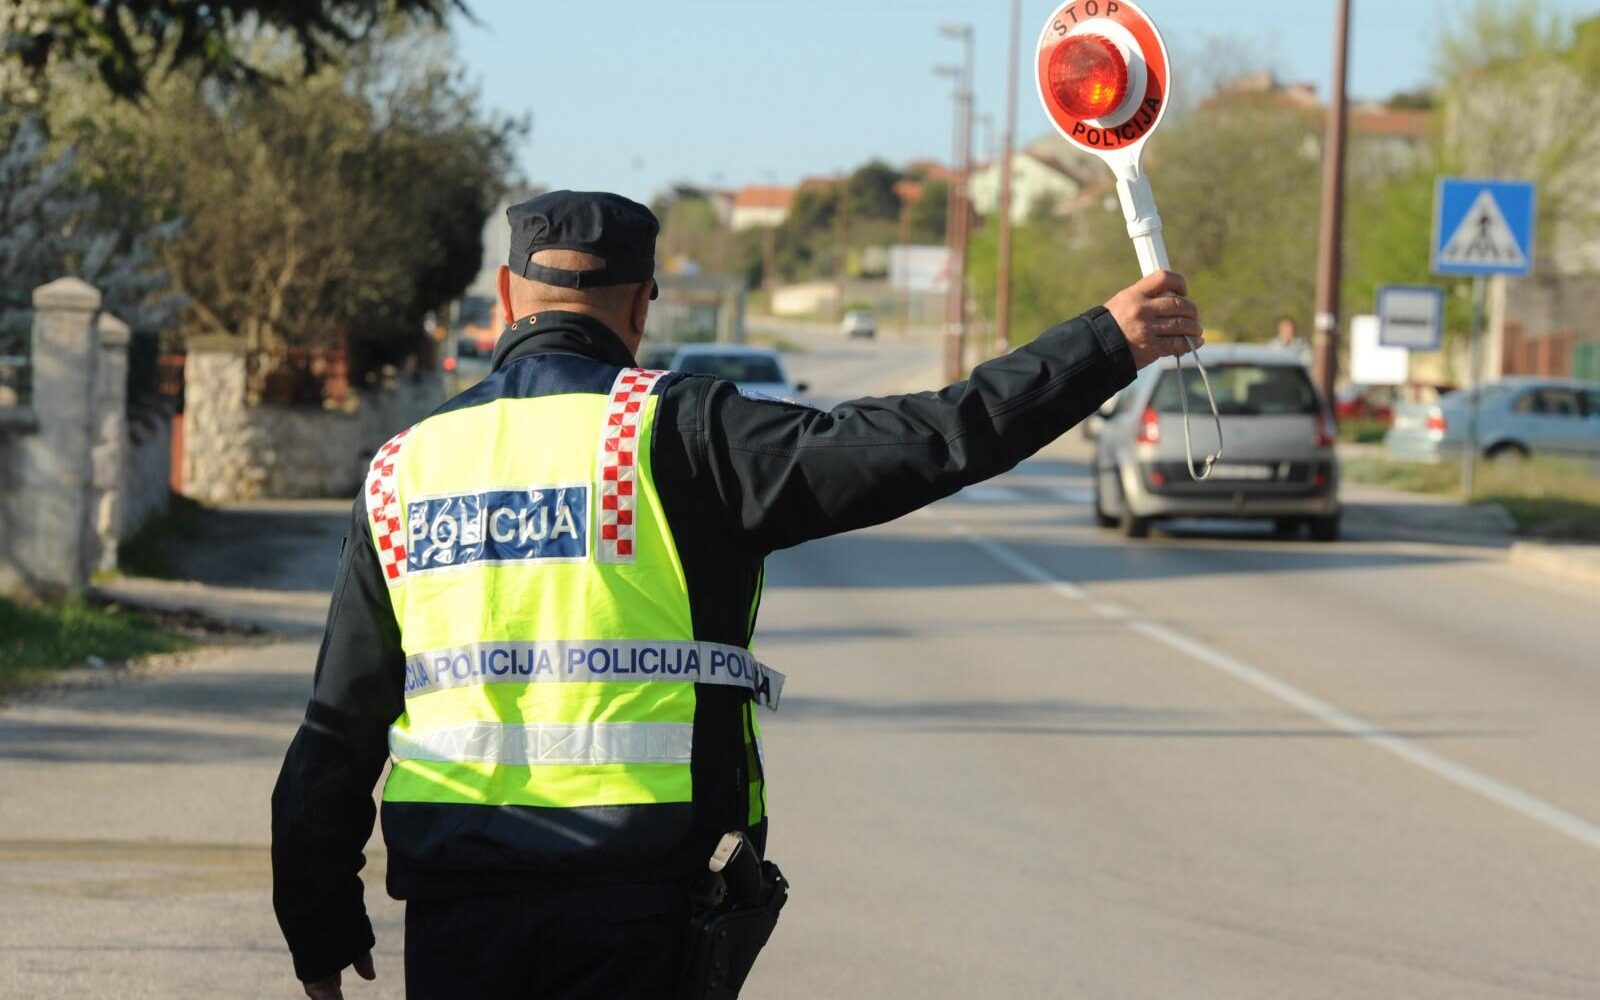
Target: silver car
(1517, 417)
(755, 370)
(1278, 447)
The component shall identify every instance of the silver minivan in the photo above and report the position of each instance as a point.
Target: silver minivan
(1278, 446)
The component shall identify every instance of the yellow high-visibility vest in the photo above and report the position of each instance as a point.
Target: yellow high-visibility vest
(551, 660)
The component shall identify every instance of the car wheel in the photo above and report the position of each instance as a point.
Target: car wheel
(1325, 529)
(1101, 518)
(1286, 527)
(1508, 451)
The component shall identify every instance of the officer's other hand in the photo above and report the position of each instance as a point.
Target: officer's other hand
(1155, 317)
(328, 989)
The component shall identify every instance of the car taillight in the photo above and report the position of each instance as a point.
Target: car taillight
(1437, 425)
(1327, 431)
(449, 364)
(1149, 427)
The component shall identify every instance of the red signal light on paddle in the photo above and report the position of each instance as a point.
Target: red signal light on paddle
(1088, 76)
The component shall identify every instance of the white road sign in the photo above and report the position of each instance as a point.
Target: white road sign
(1411, 316)
(1370, 362)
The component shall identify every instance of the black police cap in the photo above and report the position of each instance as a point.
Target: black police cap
(619, 231)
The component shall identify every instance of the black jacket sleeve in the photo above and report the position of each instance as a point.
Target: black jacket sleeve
(785, 473)
(322, 808)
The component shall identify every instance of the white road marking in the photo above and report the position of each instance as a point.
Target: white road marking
(992, 495)
(1528, 806)
(1079, 495)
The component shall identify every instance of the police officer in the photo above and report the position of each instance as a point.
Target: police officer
(543, 613)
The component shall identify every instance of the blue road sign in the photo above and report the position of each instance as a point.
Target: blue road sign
(1483, 227)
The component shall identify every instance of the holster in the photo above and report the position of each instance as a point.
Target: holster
(736, 905)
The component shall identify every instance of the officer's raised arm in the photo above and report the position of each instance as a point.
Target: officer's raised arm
(786, 473)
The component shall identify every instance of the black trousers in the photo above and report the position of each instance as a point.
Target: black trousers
(606, 943)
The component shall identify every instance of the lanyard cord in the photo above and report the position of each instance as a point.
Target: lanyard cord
(1183, 401)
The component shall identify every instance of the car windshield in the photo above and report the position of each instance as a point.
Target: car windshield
(1241, 390)
(733, 367)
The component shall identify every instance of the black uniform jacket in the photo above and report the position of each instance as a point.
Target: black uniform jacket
(739, 478)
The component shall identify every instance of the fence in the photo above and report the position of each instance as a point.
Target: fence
(298, 376)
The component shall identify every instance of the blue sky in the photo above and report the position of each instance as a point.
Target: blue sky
(630, 95)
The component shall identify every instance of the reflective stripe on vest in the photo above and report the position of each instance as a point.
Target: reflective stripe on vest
(595, 660)
(591, 743)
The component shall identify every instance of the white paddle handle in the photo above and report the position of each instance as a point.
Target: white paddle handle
(1144, 228)
(1144, 222)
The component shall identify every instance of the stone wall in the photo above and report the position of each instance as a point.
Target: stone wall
(236, 451)
(67, 460)
(147, 474)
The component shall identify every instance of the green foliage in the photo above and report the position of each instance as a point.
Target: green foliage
(130, 42)
(930, 212)
(872, 194)
(347, 203)
(35, 638)
(1520, 79)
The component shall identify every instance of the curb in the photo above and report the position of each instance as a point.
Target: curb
(1574, 563)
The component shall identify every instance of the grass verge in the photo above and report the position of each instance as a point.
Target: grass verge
(1546, 498)
(37, 638)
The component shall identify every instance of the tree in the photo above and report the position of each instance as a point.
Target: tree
(872, 194)
(349, 203)
(52, 223)
(1519, 81)
(130, 41)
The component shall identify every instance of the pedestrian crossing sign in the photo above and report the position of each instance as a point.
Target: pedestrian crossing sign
(1483, 227)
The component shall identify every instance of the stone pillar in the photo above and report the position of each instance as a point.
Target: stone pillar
(108, 441)
(56, 517)
(217, 432)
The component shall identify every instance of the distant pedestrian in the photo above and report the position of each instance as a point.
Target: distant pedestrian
(543, 616)
(1289, 339)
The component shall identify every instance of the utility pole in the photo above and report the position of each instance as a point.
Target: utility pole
(952, 210)
(841, 241)
(769, 248)
(955, 361)
(1326, 327)
(1002, 306)
(904, 297)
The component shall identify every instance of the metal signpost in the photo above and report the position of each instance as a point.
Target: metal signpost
(1104, 81)
(1481, 228)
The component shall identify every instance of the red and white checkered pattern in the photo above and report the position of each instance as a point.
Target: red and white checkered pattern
(383, 506)
(619, 452)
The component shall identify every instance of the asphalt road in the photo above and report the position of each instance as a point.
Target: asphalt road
(1017, 757)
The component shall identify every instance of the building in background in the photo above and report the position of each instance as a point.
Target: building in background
(757, 207)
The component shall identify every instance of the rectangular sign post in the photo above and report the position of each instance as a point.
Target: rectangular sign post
(1481, 228)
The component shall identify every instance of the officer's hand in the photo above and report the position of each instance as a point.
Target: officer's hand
(328, 989)
(1155, 317)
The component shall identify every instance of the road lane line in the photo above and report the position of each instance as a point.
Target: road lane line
(1022, 567)
(1528, 806)
(992, 495)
